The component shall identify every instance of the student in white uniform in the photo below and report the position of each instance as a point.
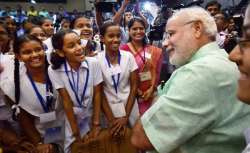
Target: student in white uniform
(120, 80)
(7, 66)
(31, 95)
(9, 130)
(78, 80)
(38, 32)
(47, 25)
(85, 27)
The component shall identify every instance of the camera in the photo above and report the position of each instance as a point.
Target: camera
(105, 5)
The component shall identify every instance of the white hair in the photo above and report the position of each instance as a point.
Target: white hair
(198, 14)
(247, 15)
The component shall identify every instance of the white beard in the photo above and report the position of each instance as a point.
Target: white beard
(180, 58)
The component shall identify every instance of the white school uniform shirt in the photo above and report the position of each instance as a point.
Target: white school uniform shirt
(7, 62)
(127, 65)
(29, 100)
(60, 80)
(48, 48)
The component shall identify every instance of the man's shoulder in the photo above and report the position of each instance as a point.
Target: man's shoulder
(207, 70)
(213, 63)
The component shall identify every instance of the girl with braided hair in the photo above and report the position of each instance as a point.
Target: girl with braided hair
(34, 102)
(10, 140)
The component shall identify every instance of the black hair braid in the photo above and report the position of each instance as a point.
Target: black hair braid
(102, 46)
(46, 68)
(17, 85)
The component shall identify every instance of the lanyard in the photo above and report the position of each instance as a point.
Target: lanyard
(144, 56)
(75, 85)
(45, 104)
(139, 53)
(115, 84)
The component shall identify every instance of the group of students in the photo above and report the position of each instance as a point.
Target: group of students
(62, 88)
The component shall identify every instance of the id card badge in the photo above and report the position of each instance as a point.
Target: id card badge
(53, 134)
(115, 70)
(83, 124)
(47, 117)
(145, 76)
(118, 109)
(148, 55)
(79, 112)
(82, 120)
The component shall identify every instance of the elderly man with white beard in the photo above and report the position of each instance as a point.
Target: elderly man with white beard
(197, 110)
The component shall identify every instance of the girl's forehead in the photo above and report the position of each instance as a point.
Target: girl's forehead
(83, 19)
(71, 37)
(112, 28)
(29, 44)
(47, 21)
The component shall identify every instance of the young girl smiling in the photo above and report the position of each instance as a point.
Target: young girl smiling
(33, 101)
(120, 80)
(78, 80)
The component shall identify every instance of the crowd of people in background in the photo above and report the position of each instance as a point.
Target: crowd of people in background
(75, 82)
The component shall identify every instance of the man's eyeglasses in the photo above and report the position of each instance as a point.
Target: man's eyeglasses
(167, 35)
(244, 44)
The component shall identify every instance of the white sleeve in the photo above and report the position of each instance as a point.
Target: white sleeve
(97, 73)
(7, 62)
(55, 78)
(8, 88)
(7, 84)
(132, 63)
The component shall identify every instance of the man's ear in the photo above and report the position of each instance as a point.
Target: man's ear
(199, 28)
(60, 53)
